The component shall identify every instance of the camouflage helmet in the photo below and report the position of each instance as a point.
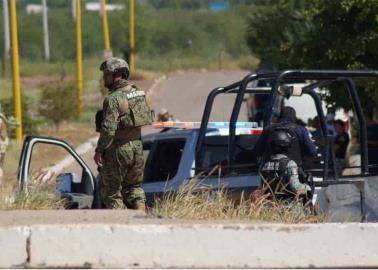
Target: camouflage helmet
(115, 65)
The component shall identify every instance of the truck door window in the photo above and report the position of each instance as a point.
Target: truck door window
(45, 156)
(165, 160)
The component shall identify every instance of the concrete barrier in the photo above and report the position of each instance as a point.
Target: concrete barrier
(342, 203)
(13, 243)
(187, 244)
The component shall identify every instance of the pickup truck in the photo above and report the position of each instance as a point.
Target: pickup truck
(169, 163)
(175, 157)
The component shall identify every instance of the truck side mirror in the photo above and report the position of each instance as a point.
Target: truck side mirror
(290, 90)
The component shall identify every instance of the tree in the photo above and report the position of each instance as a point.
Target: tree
(274, 25)
(58, 102)
(344, 35)
(332, 35)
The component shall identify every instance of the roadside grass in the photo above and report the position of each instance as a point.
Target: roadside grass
(38, 195)
(193, 203)
(188, 203)
(6, 86)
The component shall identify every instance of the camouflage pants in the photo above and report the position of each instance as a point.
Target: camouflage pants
(122, 176)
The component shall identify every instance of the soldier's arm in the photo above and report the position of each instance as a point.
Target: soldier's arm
(109, 124)
(295, 184)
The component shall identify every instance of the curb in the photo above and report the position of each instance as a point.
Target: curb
(157, 82)
(146, 245)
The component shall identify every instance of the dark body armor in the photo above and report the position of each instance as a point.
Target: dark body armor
(276, 178)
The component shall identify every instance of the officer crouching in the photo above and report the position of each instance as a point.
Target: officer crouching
(280, 173)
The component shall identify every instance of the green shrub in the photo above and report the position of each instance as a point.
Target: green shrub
(30, 120)
(58, 102)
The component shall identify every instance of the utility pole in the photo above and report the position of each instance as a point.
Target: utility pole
(15, 69)
(79, 58)
(105, 27)
(6, 29)
(132, 36)
(6, 36)
(73, 3)
(46, 31)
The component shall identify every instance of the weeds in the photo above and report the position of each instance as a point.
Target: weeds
(193, 201)
(38, 195)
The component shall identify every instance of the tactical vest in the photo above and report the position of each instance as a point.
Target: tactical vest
(294, 151)
(276, 178)
(136, 112)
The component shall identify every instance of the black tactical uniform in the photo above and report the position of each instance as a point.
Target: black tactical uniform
(301, 145)
(280, 173)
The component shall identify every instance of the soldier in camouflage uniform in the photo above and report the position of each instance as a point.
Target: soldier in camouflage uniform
(119, 150)
(4, 142)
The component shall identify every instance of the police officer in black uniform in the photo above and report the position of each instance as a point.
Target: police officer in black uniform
(273, 145)
(302, 145)
(280, 174)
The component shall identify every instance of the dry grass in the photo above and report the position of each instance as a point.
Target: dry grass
(193, 202)
(38, 195)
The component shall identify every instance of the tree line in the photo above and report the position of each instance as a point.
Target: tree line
(158, 31)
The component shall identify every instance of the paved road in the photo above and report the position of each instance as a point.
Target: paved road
(184, 94)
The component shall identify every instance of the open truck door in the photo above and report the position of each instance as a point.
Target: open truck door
(78, 191)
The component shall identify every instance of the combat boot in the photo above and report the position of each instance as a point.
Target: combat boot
(140, 206)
